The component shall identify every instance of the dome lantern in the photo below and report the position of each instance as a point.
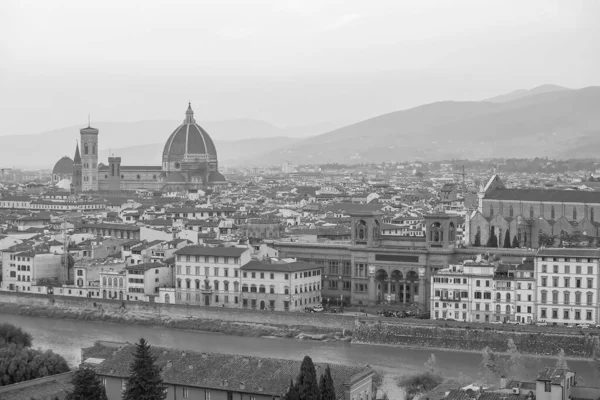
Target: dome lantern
(189, 115)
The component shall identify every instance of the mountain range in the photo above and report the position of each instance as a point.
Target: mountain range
(548, 121)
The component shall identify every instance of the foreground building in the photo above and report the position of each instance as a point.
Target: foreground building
(205, 375)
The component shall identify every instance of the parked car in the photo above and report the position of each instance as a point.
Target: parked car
(583, 326)
(318, 308)
(514, 322)
(541, 323)
(496, 322)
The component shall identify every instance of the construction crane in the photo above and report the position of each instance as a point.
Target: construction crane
(463, 175)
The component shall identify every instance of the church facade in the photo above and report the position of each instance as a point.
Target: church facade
(189, 163)
(531, 216)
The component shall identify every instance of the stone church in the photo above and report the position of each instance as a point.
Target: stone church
(532, 213)
(189, 162)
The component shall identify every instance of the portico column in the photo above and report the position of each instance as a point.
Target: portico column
(372, 290)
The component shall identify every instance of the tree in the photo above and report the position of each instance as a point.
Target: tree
(492, 241)
(477, 241)
(292, 393)
(10, 334)
(18, 364)
(326, 386)
(507, 240)
(87, 386)
(514, 364)
(308, 387)
(488, 369)
(561, 362)
(431, 364)
(420, 383)
(515, 243)
(144, 380)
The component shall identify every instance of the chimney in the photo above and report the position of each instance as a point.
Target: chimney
(503, 382)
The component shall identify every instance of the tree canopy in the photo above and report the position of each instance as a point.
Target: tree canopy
(308, 387)
(18, 364)
(144, 382)
(326, 386)
(87, 385)
(10, 334)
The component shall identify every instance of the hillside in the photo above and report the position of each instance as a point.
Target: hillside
(522, 93)
(44, 149)
(230, 152)
(546, 124)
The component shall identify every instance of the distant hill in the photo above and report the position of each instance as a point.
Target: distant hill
(519, 94)
(544, 124)
(44, 149)
(230, 152)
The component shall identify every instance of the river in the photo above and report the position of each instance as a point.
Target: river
(67, 337)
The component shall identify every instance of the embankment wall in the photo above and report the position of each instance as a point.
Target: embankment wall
(411, 335)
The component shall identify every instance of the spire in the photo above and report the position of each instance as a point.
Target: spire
(189, 115)
(77, 158)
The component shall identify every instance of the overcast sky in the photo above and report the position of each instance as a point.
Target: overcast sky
(288, 62)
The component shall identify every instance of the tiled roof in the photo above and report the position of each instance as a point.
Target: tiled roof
(279, 267)
(587, 253)
(551, 374)
(102, 225)
(212, 251)
(144, 266)
(267, 376)
(546, 195)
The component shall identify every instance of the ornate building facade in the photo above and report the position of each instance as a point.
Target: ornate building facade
(189, 163)
(529, 215)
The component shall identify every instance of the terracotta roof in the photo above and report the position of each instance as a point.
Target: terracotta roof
(212, 251)
(551, 374)
(546, 195)
(279, 267)
(144, 266)
(258, 375)
(552, 252)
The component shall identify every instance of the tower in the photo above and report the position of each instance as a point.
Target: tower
(89, 158)
(76, 184)
(114, 175)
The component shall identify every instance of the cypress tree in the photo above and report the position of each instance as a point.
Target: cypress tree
(292, 393)
(326, 385)
(308, 386)
(87, 386)
(145, 382)
(492, 241)
(477, 242)
(507, 240)
(515, 242)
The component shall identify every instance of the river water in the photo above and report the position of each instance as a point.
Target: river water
(67, 337)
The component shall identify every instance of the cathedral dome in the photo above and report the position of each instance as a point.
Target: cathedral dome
(189, 139)
(64, 166)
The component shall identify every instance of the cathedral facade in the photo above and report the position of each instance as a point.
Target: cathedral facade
(189, 163)
(533, 217)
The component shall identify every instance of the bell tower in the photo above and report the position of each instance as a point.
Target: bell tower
(76, 183)
(114, 174)
(89, 158)
(366, 229)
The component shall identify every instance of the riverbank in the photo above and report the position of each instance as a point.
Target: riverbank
(124, 316)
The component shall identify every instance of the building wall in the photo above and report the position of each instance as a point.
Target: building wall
(560, 275)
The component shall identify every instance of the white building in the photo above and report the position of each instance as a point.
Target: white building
(567, 285)
(524, 275)
(23, 268)
(280, 286)
(209, 276)
(143, 281)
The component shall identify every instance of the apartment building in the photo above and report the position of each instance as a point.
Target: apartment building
(280, 286)
(144, 280)
(209, 276)
(22, 268)
(464, 292)
(567, 285)
(524, 275)
(504, 296)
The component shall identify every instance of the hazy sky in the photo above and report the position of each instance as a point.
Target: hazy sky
(288, 62)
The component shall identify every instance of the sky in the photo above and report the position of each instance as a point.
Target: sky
(287, 62)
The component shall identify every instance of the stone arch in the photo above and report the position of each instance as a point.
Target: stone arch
(412, 276)
(436, 233)
(361, 230)
(167, 298)
(396, 275)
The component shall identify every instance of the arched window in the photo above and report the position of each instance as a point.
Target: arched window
(93, 149)
(85, 149)
(510, 211)
(552, 214)
(103, 281)
(498, 310)
(508, 309)
(112, 169)
(592, 214)
(574, 214)
(121, 282)
(507, 296)
(498, 296)
(531, 212)
(110, 281)
(491, 210)
(216, 285)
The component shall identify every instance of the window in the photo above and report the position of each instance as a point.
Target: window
(588, 315)
(544, 269)
(577, 297)
(590, 270)
(556, 269)
(544, 281)
(590, 297)
(478, 283)
(185, 393)
(531, 212)
(543, 313)
(547, 387)
(566, 314)
(589, 283)
(544, 296)
(552, 212)
(554, 313)
(567, 282)
(574, 214)
(567, 296)
(555, 297)
(555, 281)
(578, 269)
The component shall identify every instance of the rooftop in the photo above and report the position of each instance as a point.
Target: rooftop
(212, 251)
(563, 252)
(279, 267)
